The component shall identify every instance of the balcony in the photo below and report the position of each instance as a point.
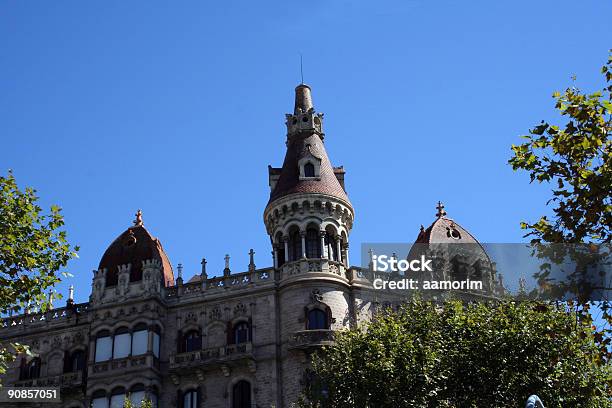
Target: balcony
(136, 362)
(306, 339)
(209, 356)
(68, 380)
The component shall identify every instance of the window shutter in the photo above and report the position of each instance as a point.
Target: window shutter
(250, 329)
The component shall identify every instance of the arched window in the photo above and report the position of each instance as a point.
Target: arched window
(332, 248)
(140, 340)
(104, 346)
(309, 170)
(241, 394)
(122, 343)
(317, 320)
(190, 399)
(295, 245)
(156, 341)
(313, 243)
(99, 400)
(30, 370)
(241, 333)
(117, 398)
(192, 341)
(280, 249)
(137, 394)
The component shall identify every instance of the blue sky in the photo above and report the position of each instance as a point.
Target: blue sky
(178, 107)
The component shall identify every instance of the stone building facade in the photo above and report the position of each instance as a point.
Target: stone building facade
(242, 339)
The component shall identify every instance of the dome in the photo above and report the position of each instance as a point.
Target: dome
(134, 246)
(445, 231)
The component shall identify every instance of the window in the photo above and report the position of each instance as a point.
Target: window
(313, 243)
(104, 347)
(140, 340)
(241, 333)
(137, 394)
(241, 395)
(190, 399)
(332, 248)
(192, 341)
(156, 344)
(99, 400)
(295, 245)
(117, 398)
(309, 170)
(153, 399)
(317, 320)
(122, 343)
(29, 370)
(75, 362)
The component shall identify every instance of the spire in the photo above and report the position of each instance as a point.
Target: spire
(303, 99)
(440, 207)
(307, 168)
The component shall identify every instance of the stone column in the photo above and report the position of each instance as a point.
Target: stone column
(286, 242)
(346, 255)
(303, 236)
(322, 234)
(275, 256)
(150, 340)
(338, 250)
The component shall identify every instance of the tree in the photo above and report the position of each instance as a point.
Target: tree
(577, 159)
(33, 252)
(456, 355)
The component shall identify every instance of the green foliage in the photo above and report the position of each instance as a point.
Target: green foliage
(143, 404)
(576, 160)
(451, 355)
(33, 251)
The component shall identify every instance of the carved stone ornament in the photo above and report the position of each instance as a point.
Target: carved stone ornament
(316, 296)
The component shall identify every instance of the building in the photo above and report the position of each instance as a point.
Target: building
(242, 339)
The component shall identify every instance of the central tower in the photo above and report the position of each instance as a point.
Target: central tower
(309, 215)
(308, 218)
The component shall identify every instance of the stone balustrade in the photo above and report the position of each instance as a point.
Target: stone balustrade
(311, 338)
(212, 355)
(67, 380)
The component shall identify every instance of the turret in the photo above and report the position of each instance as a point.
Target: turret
(309, 215)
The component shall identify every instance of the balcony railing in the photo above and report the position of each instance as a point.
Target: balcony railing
(311, 338)
(304, 266)
(207, 356)
(67, 380)
(122, 363)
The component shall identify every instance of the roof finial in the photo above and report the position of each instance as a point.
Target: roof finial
(138, 220)
(301, 69)
(440, 207)
(226, 270)
(251, 260)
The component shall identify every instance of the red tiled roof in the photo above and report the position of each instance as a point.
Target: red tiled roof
(133, 246)
(289, 181)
